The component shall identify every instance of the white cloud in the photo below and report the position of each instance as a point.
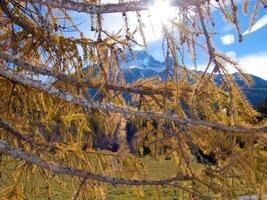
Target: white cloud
(159, 13)
(228, 39)
(152, 27)
(255, 64)
(258, 25)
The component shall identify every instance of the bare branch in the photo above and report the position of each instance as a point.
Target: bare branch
(91, 8)
(118, 109)
(5, 125)
(5, 147)
(13, 131)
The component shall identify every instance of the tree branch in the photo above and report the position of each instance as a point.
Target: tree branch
(42, 69)
(91, 8)
(21, 22)
(20, 78)
(57, 169)
(15, 132)
(79, 189)
(5, 125)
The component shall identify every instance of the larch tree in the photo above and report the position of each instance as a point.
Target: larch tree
(67, 130)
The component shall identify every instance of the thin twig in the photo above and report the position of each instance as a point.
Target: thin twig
(79, 189)
(57, 169)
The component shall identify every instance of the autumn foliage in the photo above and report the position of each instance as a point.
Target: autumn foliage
(65, 124)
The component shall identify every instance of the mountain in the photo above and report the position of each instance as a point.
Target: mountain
(141, 60)
(134, 73)
(256, 93)
(144, 65)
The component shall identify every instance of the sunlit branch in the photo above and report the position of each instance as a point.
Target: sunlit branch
(90, 8)
(118, 109)
(43, 70)
(57, 169)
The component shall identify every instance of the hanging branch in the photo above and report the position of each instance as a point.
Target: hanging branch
(16, 133)
(5, 125)
(44, 70)
(91, 8)
(57, 169)
(118, 109)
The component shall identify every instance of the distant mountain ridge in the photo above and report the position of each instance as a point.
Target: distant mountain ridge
(144, 65)
(142, 60)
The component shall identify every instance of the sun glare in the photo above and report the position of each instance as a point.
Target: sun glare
(161, 11)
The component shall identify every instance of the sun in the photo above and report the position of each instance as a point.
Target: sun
(160, 14)
(161, 11)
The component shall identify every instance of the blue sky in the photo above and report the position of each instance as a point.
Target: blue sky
(251, 53)
(254, 42)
